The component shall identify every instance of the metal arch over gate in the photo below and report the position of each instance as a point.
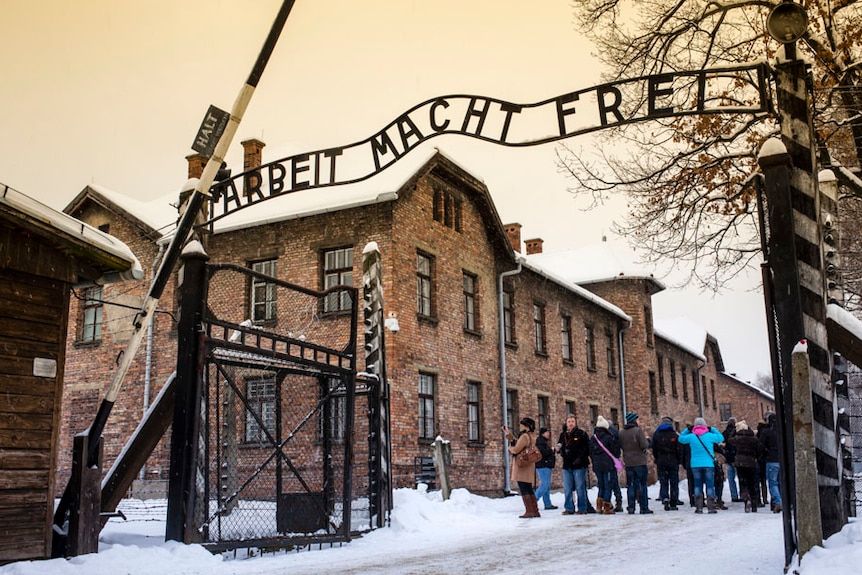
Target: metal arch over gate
(276, 465)
(677, 94)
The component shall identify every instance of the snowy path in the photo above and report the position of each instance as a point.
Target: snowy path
(467, 534)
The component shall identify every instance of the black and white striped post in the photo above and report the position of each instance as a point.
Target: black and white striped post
(798, 270)
(378, 395)
(808, 204)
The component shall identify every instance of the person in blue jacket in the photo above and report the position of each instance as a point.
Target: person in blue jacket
(702, 441)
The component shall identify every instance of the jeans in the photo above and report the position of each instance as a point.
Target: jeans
(636, 482)
(701, 475)
(772, 480)
(731, 481)
(604, 479)
(668, 477)
(575, 479)
(544, 490)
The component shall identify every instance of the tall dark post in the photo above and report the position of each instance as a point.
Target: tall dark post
(184, 435)
(784, 310)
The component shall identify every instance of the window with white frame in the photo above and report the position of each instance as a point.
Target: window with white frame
(424, 286)
(470, 308)
(539, 328)
(260, 411)
(609, 351)
(509, 316)
(263, 292)
(566, 336)
(590, 344)
(426, 406)
(337, 270)
(474, 411)
(91, 318)
(335, 411)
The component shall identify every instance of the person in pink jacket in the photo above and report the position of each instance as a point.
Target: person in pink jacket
(702, 441)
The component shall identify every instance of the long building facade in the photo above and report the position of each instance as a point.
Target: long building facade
(480, 329)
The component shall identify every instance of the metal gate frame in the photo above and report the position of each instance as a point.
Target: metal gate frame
(225, 347)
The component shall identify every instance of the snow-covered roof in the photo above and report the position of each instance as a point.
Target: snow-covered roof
(684, 333)
(382, 187)
(845, 319)
(749, 385)
(66, 226)
(595, 263)
(159, 213)
(548, 272)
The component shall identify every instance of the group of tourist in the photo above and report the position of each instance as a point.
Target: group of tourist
(707, 455)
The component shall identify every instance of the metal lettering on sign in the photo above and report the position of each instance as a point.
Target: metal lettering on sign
(506, 123)
(210, 131)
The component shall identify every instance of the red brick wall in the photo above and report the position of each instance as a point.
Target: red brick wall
(90, 366)
(440, 345)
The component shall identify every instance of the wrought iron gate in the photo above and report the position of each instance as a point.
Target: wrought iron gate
(278, 464)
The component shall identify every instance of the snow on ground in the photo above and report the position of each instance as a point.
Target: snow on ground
(472, 534)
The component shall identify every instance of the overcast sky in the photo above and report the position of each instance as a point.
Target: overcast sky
(112, 93)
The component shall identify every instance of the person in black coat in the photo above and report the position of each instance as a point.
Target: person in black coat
(749, 450)
(604, 447)
(545, 467)
(574, 447)
(730, 454)
(772, 455)
(667, 454)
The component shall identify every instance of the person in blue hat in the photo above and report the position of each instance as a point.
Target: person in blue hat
(634, 445)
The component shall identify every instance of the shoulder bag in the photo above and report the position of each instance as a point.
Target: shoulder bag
(529, 455)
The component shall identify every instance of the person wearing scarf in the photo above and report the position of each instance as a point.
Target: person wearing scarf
(702, 441)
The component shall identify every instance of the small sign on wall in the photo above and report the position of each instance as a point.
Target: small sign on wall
(44, 367)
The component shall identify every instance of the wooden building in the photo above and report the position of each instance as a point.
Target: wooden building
(43, 255)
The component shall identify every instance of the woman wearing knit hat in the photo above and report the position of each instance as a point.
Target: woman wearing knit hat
(524, 476)
(604, 448)
(702, 441)
(667, 454)
(748, 452)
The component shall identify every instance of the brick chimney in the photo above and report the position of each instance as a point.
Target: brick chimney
(513, 231)
(196, 165)
(534, 246)
(252, 157)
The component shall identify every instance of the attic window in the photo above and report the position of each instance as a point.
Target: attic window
(105, 228)
(447, 209)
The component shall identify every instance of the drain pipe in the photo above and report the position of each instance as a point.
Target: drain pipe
(502, 337)
(623, 365)
(700, 390)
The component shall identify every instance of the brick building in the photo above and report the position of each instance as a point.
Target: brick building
(582, 345)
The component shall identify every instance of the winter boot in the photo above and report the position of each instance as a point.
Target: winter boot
(698, 504)
(666, 503)
(532, 506)
(719, 504)
(710, 505)
(746, 498)
(600, 504)
(527, 505)
(618, 508)
(608, 508)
